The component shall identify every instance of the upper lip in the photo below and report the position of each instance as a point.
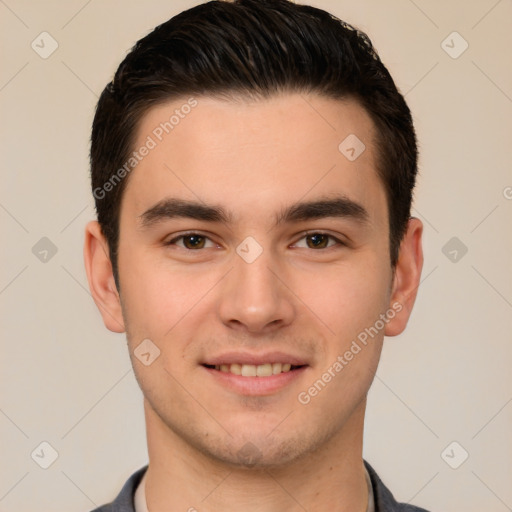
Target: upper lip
(254, 359)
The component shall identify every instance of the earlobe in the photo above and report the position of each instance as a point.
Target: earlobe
(101, 278)
(407, 277)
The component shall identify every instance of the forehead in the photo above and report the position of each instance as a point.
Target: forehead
(247, 153)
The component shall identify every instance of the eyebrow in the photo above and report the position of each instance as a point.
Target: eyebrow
(338, 207)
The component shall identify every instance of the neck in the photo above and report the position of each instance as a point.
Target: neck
(180, 477)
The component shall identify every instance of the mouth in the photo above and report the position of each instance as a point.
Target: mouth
(253, 370)
(255, 375)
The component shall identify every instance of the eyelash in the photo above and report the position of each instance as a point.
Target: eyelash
(305, 235)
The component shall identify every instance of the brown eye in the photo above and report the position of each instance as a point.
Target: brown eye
(317, 240)
(191, 241)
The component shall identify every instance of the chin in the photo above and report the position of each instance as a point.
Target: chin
(259, 450)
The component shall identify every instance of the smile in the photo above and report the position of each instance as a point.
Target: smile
(262, 379)
(252, 370)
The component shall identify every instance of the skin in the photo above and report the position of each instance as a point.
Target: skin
(254, 159)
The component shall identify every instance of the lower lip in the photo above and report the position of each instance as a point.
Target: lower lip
(256, 386)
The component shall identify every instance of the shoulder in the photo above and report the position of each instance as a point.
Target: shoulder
(384, 500)
(124, 500)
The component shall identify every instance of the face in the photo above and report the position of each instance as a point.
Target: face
(254, 255)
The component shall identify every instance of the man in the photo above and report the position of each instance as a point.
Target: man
(253, 166)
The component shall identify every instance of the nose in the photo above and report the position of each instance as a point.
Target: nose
(254, 297)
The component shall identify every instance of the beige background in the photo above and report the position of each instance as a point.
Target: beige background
(68, 381)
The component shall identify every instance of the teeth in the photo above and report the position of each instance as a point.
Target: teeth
(236, 369)
(251, 370)
(276, 368)
(264, 370)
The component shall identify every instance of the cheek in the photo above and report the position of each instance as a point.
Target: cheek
(146, 293)
(350, 304)
(158, 299)
(349, 298)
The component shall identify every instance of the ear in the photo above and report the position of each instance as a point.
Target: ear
(101, 278)
(407, 278)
